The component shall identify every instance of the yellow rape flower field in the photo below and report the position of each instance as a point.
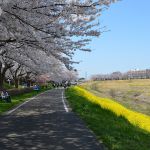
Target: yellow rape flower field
(133, 94)
(135, 118)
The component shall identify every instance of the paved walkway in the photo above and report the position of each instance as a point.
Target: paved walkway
(44, 124)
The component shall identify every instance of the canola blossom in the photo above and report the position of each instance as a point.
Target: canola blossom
(135, 118)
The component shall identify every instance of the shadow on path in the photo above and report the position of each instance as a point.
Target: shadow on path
(55, 130)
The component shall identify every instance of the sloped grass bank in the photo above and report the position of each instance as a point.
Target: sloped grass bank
(16, 100)
(135, 118)
(133, 94)
(116, 132)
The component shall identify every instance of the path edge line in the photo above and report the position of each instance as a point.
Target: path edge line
(19, 106)
(65, 106)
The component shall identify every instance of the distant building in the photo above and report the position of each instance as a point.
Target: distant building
(132, 74)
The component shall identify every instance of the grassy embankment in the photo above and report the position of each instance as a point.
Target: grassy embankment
(111, 128)
(133, 94)
(16, 100)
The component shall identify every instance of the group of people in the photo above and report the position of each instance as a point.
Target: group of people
(36, 87)
(5, 96)
(64, 84)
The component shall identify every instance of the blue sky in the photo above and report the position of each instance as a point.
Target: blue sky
(126, 46)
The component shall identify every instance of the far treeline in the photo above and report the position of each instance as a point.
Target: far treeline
(132, 74)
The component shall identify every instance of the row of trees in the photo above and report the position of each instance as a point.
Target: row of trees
(132, 74)
(40, 36)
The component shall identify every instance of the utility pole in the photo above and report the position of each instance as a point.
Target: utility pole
(86, 75)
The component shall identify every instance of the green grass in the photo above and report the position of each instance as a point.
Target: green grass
(115, 132)
(19, 99)
(7, 86)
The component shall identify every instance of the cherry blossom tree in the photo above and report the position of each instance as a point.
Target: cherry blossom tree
(44, 34)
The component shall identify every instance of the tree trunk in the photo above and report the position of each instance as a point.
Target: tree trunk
(1, 81)
(16, 83)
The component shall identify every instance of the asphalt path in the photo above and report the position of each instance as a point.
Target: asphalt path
(45, 123)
